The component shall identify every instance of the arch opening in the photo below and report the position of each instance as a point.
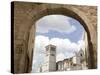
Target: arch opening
(60, 30)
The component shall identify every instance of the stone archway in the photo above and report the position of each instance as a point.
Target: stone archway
(25, 16)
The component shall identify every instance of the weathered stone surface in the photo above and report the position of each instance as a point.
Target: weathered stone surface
(25, 16)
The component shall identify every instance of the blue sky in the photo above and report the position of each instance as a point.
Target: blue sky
(73, 36)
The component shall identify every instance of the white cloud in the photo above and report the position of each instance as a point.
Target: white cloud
(60, 57)
(34, 61)
(65, 48)
(58, 23)
(81, 44)
(40, 43)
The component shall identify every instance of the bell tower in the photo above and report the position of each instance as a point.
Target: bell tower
(51, 57)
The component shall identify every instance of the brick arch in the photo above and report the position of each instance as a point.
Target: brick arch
(41, 10)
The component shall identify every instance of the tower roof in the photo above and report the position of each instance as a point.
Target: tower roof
(50, 45)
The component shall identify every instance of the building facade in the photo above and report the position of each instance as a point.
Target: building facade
(50, 59)
(59, 66)
(76, 62)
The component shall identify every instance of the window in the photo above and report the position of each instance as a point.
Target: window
(80, 54)
(52, 54)
(52, 48)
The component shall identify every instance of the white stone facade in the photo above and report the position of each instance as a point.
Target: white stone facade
(76, 62)
(50, 59)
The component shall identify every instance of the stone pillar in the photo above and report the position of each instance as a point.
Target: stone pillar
(31, 47)
(91, 60)
(95, 55)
